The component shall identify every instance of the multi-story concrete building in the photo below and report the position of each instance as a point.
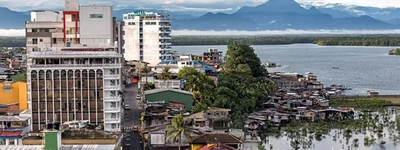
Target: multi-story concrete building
(44, 30)
(80, 79)
(75, 84)
(147, 37)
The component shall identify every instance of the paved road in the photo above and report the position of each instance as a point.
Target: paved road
(132, 116)
(132, 140)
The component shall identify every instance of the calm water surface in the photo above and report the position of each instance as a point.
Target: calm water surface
(362, 68)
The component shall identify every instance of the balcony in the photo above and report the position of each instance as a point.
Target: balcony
(112, 99)
(57, 35)
(38, 34)
(115, 87)
(111, 76)
(112, 109)
(116, 120)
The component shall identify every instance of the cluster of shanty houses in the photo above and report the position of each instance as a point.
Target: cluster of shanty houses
(300, 98)
(210, 129)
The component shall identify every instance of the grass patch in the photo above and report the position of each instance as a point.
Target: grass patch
(369, 103)
(19, 77)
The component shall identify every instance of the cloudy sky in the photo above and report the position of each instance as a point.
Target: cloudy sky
(182, 5)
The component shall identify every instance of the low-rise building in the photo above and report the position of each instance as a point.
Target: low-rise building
(207, 139)
(13, 97)
(170, 97)
(213, 118)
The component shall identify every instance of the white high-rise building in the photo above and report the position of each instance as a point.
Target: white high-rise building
(74, 67)
(147, 37)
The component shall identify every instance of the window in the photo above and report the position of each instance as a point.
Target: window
(7, 90)
(113, 115)
(113, 126)
(147, 23)
(46, 30)
(96, 15)
(41, 40)
(153, 23)
(113, 104)
(34, 41)
(34, 30)
(54, 40)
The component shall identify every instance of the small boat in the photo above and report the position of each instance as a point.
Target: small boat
(335, 67)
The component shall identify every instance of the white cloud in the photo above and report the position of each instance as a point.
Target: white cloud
(12, 32)
(374, 3)
(197, 5)
(279, 32)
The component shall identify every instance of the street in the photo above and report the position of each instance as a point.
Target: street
(132, 140)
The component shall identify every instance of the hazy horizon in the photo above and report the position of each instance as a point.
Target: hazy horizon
(21, 32)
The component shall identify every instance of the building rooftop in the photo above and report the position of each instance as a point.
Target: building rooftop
(69, 54)
(164, 89)
(13, 118)
(213, 109)
(215, 138)
(64, 147)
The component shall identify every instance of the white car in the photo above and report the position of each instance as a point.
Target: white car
(127, 107)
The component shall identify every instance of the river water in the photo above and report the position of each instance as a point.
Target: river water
(362, 68)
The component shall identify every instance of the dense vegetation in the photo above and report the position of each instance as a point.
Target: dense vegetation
(361, 103)
(370, 40)
(394, 52)
(12, 42)
(242, 86)
(275, 40)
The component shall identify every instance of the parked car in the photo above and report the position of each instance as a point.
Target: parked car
(138, 97)
(127, 107)
(135, 128)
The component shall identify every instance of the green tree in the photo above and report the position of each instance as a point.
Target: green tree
(198, 83)
(239, 54)
(243, 84)
(165, 74)
(176, 129)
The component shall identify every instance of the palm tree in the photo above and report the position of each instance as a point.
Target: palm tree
(165, 74)
(175, 130)
(145, 71)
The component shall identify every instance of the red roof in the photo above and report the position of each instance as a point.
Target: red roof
(217, 147)
(10, 133)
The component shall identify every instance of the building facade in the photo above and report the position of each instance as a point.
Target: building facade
(13, 97)
(80, 78)
(75, 84)
(44, 30)
(147, 37)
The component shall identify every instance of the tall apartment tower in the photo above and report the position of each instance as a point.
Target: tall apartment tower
(147, 37)
(79, 78)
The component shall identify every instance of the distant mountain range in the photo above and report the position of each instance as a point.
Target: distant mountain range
(271, 15)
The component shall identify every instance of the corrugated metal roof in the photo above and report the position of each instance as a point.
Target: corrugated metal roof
(10, 133)
(13, 118)
(21, 147)
(64, 147)
(164, 89)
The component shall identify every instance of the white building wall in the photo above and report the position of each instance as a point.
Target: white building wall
(96, 25)
(151, 44)
(150, 35)
(48, 16)
(71, 5)
(131, 37)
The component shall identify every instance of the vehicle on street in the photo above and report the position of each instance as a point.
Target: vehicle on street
(138, 97)
(126, 107)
